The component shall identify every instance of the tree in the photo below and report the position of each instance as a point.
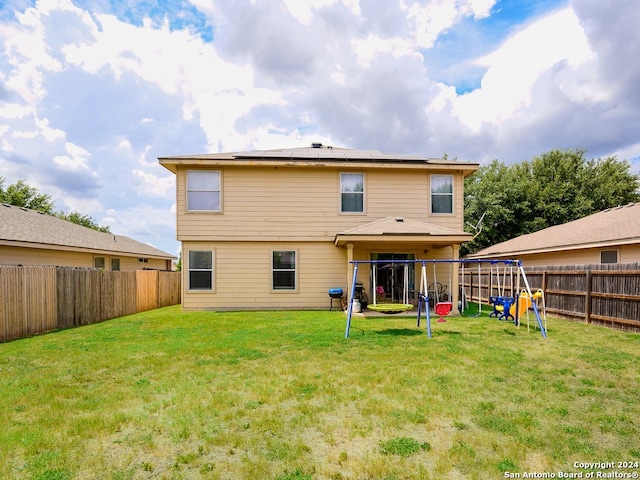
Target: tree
(22, 195)
(81, 219)
(554, 188)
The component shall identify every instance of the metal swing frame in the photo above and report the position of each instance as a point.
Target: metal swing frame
(423, 299)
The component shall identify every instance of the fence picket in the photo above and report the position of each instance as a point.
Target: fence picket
(34, 300)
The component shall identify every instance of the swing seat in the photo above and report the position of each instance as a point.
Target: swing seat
(443, 309)
(390, 308)
(501, 307)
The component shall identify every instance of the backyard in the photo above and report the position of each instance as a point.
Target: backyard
(283, 395)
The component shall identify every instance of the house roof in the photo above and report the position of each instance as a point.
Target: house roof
(611, 227)
(316, 155)
(28, 228)
(401, 227)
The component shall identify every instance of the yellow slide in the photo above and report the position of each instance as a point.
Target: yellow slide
(524, 303)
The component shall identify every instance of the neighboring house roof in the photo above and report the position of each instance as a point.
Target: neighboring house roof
(409, 229)
(28, 228)
(611, 227)
(311, 156)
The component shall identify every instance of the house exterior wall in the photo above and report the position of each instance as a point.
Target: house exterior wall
(10, 255)
(242, 275)
(267, 208)
(585, 256)
(281, 203)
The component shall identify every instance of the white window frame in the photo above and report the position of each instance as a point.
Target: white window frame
(342, 191)
(433, 194)
(210, 269)
(294, 270)
(214, 190)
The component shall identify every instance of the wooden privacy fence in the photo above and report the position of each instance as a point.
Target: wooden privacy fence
(39, 299)
(605, 294)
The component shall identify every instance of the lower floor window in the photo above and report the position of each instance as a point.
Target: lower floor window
(200, 270)
(609, 256)
(284, 270)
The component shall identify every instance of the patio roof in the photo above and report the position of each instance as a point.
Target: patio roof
(402, 230)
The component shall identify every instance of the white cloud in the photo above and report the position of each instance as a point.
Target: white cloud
(366, 49)
(14, 111)
(514, 69)
(153, 185)
(303, 11)
(437, 16)
(77, 158)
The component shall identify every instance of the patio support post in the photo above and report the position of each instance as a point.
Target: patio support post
(455, 288)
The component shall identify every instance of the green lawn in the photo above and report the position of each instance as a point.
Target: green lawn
(283, 395)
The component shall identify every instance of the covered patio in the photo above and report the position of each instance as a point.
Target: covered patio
(391, 242)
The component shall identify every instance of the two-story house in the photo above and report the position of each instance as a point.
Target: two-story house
(275, 229)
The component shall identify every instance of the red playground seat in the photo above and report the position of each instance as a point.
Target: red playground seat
(443, 309)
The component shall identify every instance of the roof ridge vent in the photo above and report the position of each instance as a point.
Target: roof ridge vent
(399, 219)
(316, 145)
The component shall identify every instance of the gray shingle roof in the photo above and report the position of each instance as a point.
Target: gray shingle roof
(22, 225)
(614, 226)
(322, 153)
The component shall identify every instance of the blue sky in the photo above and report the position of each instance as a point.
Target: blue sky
(92, 92)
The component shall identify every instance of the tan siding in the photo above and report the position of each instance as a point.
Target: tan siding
(40, 256)
(243, 276)
(297, 208)
(36, 256)
(626, 254)
(629, 254)
(303, 203)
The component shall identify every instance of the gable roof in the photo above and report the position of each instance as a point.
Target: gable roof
(396, 227)
(614, 226)
(317, 155)
(28, 228)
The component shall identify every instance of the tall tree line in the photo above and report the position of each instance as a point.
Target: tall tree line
(554, 188)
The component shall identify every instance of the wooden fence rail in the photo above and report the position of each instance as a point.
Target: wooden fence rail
(605, 294)
(39, 299)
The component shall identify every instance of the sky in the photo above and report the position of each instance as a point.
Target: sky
(92, 92)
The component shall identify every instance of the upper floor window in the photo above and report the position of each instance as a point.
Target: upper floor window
(283, 269)
(441, 193)
(352, 192)
(203, 190)
(200, 270)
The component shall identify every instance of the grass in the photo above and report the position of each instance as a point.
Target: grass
(283, 395)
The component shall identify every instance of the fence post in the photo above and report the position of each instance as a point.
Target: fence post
(587, 298)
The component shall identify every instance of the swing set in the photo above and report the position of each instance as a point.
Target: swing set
(504, 307)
